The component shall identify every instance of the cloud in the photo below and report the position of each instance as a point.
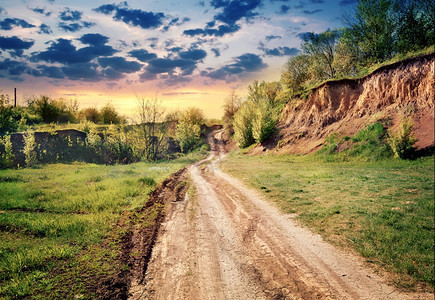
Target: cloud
(193, 54)
(242, 64)
(47, 71)
(42, 11)
(132, 17)
(14, 68)
(168, 65)
(142, 55)
(281, 51)
(70, 15)
(9, 24)
(62, 51)
(283, 9)
(74, 27)
(120, 64)
(184, 93)
(176, 22)
(45, 29)
(311, 12)
(273, 37)
(347, 2)
(224, 22)
(235, 10)
(82, 71)
(94, 39)
(317, 1)
(304, 35)
(216, 52)
(15, 45)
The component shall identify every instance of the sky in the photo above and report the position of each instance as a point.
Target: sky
(186, 53)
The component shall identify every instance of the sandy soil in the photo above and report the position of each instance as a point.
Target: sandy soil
(225, 242)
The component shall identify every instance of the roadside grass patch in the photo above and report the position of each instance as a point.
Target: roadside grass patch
(382, 209)
(54, 219)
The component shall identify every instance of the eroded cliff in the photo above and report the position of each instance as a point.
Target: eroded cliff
(403, 89)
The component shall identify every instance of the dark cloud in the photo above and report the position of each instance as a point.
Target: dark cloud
(42, 11)
(70, 15)
(317, 1)
(82, 71)
(193, 54)
(94, 39)
(74, 27)
(217, 32)
(112, 74)
(168, 65)
(225, 21)
(15, 45)
(2, 10)
(62, 51)
(45, 29)
(303, 35)
(216, 52)
(347, 2)
(47, 71)
(133, 17)
(248, 62)
(281, 51)
(14, 68)
(176, 22)
(273, 37)
(235, 10)
(311, 12)
(283, 9)
(120, 64)
(9, 24)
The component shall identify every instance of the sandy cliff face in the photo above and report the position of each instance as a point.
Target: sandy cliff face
(404, 89)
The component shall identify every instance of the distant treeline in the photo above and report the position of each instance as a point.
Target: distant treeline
(378, 32)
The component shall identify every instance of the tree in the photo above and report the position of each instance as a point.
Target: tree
(321, 49)
(194, 116)
(109, 115)
(243, 125)
(373, 29)
(295, 73)
(46, 109)
(91, 114)
(187, 135)
(231, 106)
(152, 129)
(263, 123)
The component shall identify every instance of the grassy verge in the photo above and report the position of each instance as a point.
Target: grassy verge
(384, 210)
(56, 217)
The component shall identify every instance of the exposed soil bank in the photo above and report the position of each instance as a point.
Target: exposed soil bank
(403, 89)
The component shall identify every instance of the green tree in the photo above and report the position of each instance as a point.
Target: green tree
(321, 50)
(295, 73)
(373, 28)
(187, 135)
(263, 123)
(242, 124)
(109, 115)
(231, 106)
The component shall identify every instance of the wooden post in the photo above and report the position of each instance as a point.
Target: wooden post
(15, 97)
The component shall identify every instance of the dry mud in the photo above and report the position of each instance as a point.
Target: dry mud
(222, 241)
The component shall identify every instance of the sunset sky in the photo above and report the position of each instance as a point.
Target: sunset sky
(191, 53)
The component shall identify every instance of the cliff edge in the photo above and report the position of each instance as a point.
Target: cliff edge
(392, 92)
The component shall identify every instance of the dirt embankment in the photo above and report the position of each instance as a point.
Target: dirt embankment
(403, 89)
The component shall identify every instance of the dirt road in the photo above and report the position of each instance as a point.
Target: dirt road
(224, 242)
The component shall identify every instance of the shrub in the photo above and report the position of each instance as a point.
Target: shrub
(402, 141)
(242, 124)
(187, 135)
(30, 149)
(263, 124)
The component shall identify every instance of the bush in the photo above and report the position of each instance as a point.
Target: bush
(242, 124)
(187, 135)
(402, 141)
(263, 124)
(30, 149)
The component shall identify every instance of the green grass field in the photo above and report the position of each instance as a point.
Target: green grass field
(384, 210)
(61, 213)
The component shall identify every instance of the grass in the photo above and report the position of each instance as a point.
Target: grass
(382, 209)
(55, 217)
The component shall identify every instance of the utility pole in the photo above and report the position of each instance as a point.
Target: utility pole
(15, 97)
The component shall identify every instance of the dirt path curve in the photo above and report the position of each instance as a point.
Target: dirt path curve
(225, 242)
